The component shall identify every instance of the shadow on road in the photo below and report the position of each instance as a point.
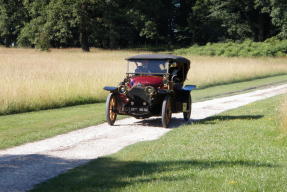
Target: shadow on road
(21, 172)
(156, 122)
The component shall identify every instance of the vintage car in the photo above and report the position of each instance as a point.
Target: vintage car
(153, 87)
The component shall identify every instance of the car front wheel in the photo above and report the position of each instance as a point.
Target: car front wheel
(166, 112)
(111, 106)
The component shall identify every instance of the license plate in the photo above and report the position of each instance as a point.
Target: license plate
(140, 109)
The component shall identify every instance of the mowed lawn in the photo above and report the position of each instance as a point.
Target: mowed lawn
(239, 150)
(28, 127)
(22, 128)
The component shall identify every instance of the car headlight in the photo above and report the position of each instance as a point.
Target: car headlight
(150, 90)
(123, 89)
(165, 81)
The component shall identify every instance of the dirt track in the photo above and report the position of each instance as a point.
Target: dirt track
(24, 166)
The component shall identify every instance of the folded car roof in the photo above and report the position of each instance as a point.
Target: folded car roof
(159, 57)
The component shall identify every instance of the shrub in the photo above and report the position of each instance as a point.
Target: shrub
(270, 48)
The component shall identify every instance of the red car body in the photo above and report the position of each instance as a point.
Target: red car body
(155, 81)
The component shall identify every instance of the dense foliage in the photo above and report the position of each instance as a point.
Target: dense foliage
(132, 23)
(247, 48)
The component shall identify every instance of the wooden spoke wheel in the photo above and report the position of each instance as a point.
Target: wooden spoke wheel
(187, 113)
(166, 112)
(111, 106)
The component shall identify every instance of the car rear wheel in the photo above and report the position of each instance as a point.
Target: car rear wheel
(166, 112)
(111, 106)
(187, 113)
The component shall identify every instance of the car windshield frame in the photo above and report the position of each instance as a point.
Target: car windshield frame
(148, 66)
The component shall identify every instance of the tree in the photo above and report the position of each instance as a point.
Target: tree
(34, 34)
(279, 16)
(201, 25)
(12, 18)
(126, 23)
(243, 18)
(59, 23)
(183, 13)
(84, 26)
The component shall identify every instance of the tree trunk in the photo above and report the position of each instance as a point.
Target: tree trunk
(84, 41)
(261, 28)
(84, 24)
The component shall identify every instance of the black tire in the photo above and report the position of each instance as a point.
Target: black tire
(111, 105)
(186, 115)
(166, 111)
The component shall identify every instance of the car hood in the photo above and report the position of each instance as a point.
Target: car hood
(154, 81)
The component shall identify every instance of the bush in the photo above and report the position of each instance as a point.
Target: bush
(271, 47)
(43, 42)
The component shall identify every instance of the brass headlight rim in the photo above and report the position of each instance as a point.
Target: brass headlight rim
(125, 89)
(152, 92)
(165, 80)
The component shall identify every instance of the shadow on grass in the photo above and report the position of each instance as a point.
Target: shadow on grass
(21, 172)
(108, 174)
(214, 119)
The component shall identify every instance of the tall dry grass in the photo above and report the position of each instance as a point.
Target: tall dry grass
(31, 80)
(206, 71)
(35, 80)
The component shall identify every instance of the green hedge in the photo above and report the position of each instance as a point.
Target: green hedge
(247, 48)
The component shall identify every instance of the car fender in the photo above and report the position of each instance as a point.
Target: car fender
(111, 89)
(189, 87)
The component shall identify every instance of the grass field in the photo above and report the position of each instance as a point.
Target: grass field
(32, 80)
(283, 116)
(22, 128)
(239, 150)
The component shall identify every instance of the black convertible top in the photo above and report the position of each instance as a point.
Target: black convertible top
(185, 62)
(178, 59)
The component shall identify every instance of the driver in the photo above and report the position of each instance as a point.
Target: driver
(146, 66)
(151, 67)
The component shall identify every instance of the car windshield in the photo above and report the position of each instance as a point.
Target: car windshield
(148, 66)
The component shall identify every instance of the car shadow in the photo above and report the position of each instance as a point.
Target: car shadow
(218, 118)
(177, 122)
(156, 122)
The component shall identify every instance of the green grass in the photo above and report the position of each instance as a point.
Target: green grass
(247, 48)
(22, 128)
(239, 150)
(27, 127)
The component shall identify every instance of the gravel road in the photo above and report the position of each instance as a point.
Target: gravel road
(24, 166)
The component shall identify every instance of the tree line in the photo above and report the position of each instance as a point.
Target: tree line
(133, 23)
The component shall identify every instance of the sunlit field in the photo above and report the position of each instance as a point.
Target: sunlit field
(32, 80)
